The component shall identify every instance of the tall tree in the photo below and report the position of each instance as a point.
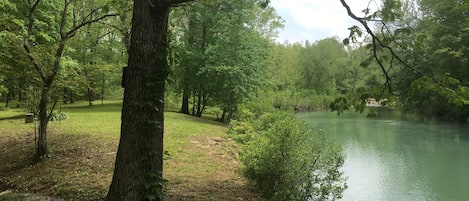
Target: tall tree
(139, 161)
(68, 22)
(438, 52)
(220, 37)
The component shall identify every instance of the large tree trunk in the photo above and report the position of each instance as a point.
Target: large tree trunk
(139, 162)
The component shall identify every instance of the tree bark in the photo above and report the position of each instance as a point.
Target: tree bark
(90, 93)
(199, 104)
(41, 149)
(185, 102)
(139, 161)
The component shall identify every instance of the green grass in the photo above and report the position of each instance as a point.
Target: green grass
(202, 164)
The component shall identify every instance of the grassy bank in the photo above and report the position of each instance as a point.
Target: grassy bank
(202, 164)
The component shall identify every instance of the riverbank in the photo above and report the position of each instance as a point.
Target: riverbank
(201, 165)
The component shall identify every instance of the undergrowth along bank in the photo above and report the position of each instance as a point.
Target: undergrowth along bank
(285, 158)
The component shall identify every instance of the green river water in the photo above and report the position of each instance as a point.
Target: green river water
(390, 159)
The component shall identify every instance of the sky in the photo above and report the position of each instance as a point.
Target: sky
(314, 20)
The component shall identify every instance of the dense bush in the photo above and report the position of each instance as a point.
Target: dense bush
(285, 159)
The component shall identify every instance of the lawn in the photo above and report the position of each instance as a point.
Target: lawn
(201, 165)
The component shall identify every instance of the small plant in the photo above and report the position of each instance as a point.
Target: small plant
(155, 186)
(57, 116)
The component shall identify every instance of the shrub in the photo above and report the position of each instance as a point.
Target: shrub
(57, 116)
(287, 160)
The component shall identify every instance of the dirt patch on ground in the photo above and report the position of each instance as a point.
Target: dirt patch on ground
(214, 174)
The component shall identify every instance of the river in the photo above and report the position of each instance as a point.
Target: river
(390, 159)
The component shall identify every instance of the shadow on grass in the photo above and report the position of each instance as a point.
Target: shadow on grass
(16, 155)
(204, 119)
(80, 166)
(16, 117)
(106, 107)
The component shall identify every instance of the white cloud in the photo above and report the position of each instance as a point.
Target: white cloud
(315, 19)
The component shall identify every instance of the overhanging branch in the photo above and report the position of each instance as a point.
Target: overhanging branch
(377, 41)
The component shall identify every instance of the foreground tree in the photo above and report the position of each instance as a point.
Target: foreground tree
(139, 161)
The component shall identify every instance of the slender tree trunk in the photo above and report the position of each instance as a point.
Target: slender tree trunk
(21, 95)
(71, 96)
(12, 93)
(223, 114)
(185, 102)
(139, 161)
(41, 149)
(199, 104)
(193, 101)
(102, 90)
(65, 91)
(7, 100)
(90, 96)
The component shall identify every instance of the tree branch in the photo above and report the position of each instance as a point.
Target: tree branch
(72, 32)
(375, 40)
(27, 38)
(171, 3)
(394, 56)
(62, 20)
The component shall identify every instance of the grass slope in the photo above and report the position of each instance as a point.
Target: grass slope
(202, 164)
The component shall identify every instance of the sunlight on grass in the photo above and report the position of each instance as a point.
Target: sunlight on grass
(83, 149)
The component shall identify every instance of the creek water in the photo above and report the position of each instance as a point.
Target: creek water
(390, 159)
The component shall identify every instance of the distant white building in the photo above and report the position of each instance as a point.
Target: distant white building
(372, 102)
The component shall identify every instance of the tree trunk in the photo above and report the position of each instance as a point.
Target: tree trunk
(199, 104)
(102, 90)
(41, 149)
(90, 96)
(71, 96)
(223, 115)
(65, 91)
(193, 101)
(185, 102)
(139, 161)
(7, 100)
(21, 95)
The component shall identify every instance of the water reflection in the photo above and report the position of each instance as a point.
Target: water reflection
(391, 159)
